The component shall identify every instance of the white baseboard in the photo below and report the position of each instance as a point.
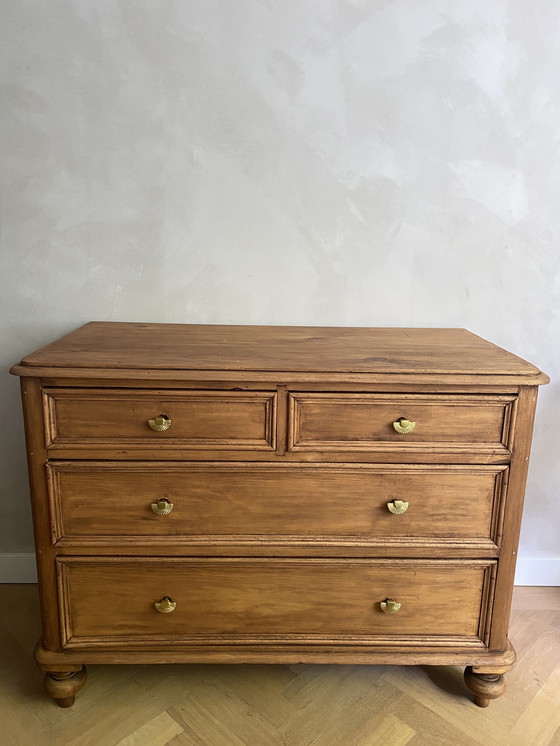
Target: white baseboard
(538, 571)
(20, 568)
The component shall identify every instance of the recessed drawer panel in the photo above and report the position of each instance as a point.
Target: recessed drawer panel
(165, 502)
(224, 601)
(163, 419)
(340, 421)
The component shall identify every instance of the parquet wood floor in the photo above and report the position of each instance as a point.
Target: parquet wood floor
(301, 705)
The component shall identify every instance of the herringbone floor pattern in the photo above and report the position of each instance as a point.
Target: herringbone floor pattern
(299, 705)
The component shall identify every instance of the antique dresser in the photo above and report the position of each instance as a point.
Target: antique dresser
(276, 494)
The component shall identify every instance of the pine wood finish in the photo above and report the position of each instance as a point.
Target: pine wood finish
(323, 421)
(281, 462)
(113, 419)
(279, 502)
(287, 601)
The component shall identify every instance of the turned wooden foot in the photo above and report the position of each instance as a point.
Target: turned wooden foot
(63, 687)
(484, 686)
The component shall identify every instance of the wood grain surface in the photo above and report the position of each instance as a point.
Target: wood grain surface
(96, 499)
(116, 345)
(268, 601)
(209, 418)
(362, 420)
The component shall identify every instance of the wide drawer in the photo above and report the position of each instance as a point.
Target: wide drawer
(223, 601)
(223, 420)
(357, 422)
(165, 502)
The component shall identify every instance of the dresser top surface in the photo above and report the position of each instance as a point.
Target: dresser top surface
(124, 346)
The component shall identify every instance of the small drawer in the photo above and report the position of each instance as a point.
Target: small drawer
(313, 601)
(115, 419)
(166, 502)
(369, 422)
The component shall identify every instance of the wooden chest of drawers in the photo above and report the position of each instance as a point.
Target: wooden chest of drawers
(275, 495)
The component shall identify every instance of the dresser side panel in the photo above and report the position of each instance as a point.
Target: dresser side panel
(44, 552)
(522, 430)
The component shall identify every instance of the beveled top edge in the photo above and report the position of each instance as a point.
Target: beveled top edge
(74, 375)
(168, 348)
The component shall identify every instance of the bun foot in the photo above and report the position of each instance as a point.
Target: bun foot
(63, 687)
(484, 686)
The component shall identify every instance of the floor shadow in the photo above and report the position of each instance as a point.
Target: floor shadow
(447, 678)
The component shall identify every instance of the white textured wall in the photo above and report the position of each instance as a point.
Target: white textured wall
(295, 162)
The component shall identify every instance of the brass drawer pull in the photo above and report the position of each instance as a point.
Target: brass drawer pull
(160, 423)
(396, 507)
(402, 425)
(390, 606)
(165, 605)
(162, 507)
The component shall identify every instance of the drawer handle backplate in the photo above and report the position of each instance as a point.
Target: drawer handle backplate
(390, 606)
(160, 423)
(165, 605)
(162, 507)
(397, 507)
(402, 425)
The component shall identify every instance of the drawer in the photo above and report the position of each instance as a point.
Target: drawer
(221, 601)
(113, 419)
(337, 421)
(281, 502)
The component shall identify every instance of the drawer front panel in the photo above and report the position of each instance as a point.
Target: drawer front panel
(277, 501)
(199, 419)
(222, 601)
(365, 421)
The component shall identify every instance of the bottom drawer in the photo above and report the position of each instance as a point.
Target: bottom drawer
(218, 601)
